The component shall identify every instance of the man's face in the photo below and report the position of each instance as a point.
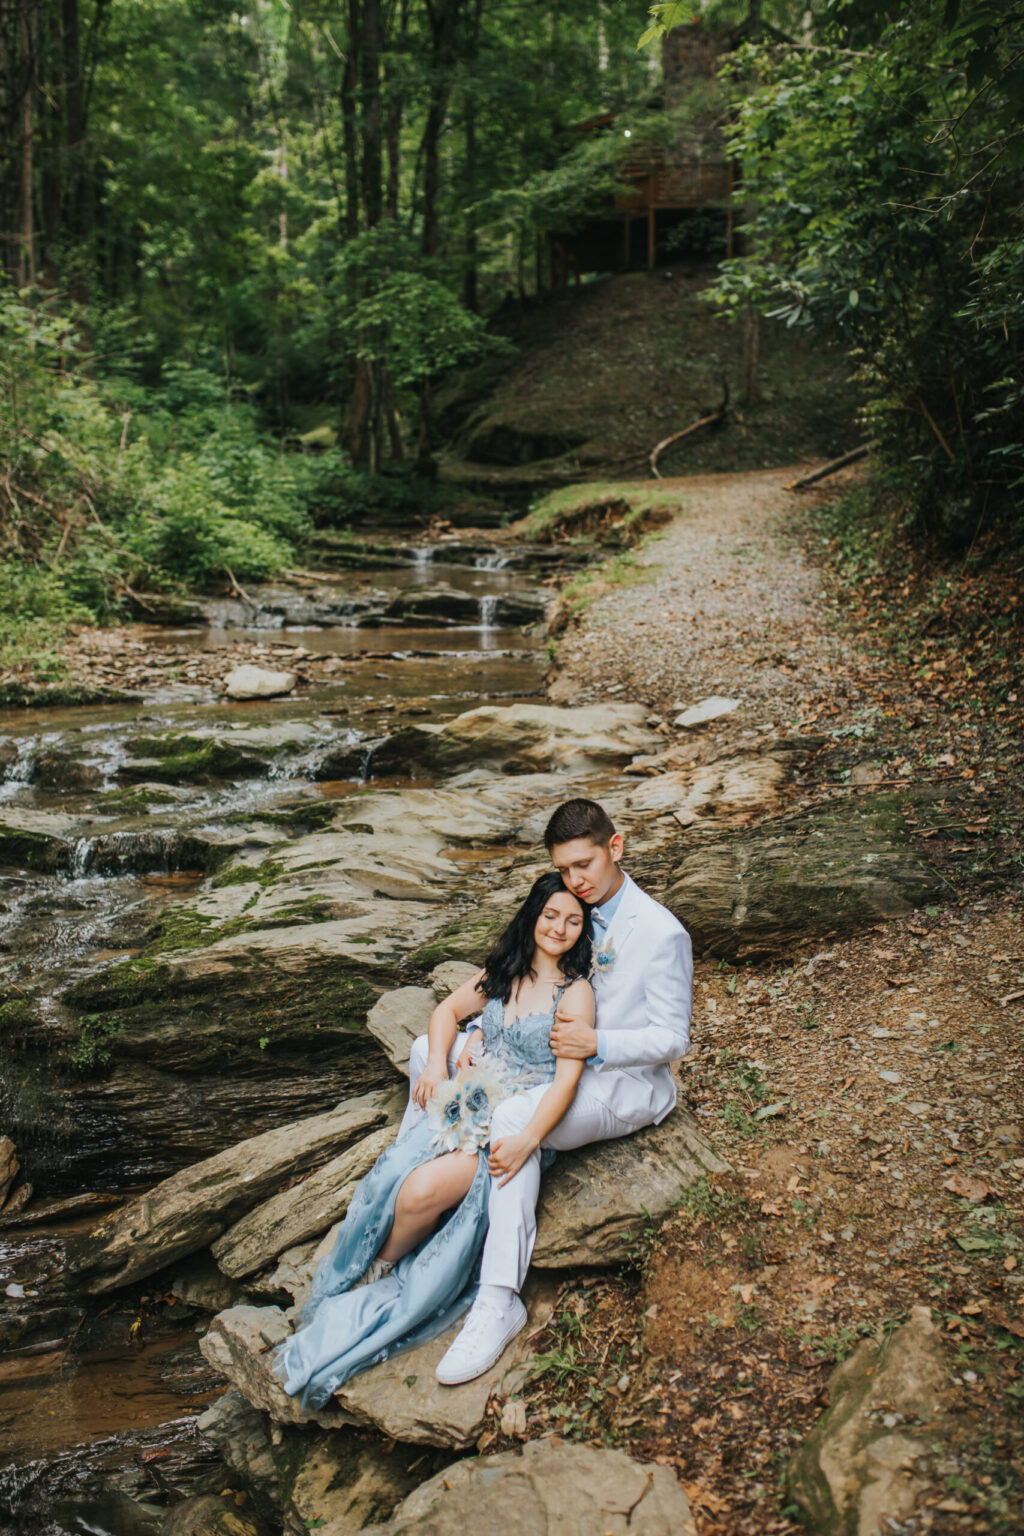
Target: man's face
(589, 869)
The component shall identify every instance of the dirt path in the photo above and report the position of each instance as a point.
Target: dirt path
(868, 1096)
(722, 601)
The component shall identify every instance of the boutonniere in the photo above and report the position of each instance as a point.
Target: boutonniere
(604, 959)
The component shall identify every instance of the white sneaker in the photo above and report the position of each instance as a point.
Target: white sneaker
(378, 1270)
(486, 1334)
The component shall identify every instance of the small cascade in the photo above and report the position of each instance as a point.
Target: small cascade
(18, 769)
(488, 610)
(495, 561)
(422, 556)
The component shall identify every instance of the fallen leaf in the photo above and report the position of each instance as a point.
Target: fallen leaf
(770, 1208)
(1010, 1264)
(820, 1284)
(968, 1188)
(746, 1294)
(513, 1420)
(770, 1111)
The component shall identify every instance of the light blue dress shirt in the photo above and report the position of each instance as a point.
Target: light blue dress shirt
(602, 917)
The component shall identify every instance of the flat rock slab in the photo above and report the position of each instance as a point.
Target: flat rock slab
(521, 738)
(298, 1213)
(594, 1202)
(576, 1490)
(402, 1397)
(192, 1208)
(813, 875)
(855, 1472)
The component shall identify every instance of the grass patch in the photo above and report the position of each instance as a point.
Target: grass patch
(613, 515)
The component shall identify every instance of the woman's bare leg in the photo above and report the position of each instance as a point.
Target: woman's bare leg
(425, 1195)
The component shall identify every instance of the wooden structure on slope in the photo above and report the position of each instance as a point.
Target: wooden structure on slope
(667, 184)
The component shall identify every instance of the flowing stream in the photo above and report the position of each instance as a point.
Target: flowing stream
(98, 1400)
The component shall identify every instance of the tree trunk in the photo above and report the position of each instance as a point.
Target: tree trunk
(27, 261)
(751, 350)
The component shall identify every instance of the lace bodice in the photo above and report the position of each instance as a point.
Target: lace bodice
(522, 1046)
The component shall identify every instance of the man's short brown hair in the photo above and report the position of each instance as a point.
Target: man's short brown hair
(579, 818)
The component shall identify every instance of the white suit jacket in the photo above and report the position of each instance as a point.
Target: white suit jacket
(644, 999)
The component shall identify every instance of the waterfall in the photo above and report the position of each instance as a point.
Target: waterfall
(160, 851)
(495, 561)
(488, 609)
(422, 556)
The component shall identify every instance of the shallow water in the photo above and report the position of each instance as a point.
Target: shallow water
(96, 1428)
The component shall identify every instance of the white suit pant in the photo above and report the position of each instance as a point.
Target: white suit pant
(513, 1207)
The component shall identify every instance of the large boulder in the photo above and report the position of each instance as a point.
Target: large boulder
(302, 1211)
(337, 1481)
(402, 1397)
(520, 738)
(819, 873)
(397, 1018)
(240, 1433)
(549, 1485)
(594, 1202)
(857, 1470)
(189, 1210)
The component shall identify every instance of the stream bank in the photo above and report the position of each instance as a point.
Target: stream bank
(438, 858)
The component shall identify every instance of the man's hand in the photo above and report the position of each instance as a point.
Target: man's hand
(426, 1085)
(508, 1155)
(571, 1040)
(466, 1058)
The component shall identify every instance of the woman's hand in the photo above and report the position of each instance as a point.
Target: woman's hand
(429, 1081)
(509, 1154)
(466, 1059)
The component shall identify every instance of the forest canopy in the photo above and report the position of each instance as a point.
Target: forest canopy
(225, 228)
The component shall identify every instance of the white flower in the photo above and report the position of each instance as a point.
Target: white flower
(461, 1109)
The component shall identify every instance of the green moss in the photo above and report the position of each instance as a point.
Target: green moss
(309, 816)
(468, 938)
(312, 909)
(127, 801)
(33, 850)
(67, 696)
(96, 1039)
(248, 874)
(17, 1016)
(196, 757)
(612, 514)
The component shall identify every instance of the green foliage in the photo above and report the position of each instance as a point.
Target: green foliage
(96, 1039)
(884, 170)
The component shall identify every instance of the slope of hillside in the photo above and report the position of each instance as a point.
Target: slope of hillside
(602, 373)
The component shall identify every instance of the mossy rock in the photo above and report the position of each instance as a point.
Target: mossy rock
(137, 801)
(59, 696)
(818, 874)
(61, 770)
(43, 853)
(184, 758)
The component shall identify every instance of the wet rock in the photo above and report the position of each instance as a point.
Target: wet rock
(36, 840)
(258, 683)
(16, 1202)
(397, 1018)
(429, 605)
(336, 1482)
(238, 1432)
(210, 1514)
(816, 874)
(163, 608)
(857, 1470)
(593, 1201)
(298, 1213)
(402, 1397)
(60, 770)
(192, 1208)
(520, 738)
(578, 1490)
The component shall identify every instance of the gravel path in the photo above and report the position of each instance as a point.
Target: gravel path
(724, 601)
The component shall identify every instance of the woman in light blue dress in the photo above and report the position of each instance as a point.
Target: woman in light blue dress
(405, 1261)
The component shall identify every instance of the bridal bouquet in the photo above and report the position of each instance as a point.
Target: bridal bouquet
(461, 1109)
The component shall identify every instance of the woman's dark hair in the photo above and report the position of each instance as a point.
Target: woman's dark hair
(511, 959)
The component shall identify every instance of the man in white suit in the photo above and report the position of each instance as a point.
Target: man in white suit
(643, 982)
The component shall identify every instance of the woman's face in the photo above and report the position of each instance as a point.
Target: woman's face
(559, 924)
